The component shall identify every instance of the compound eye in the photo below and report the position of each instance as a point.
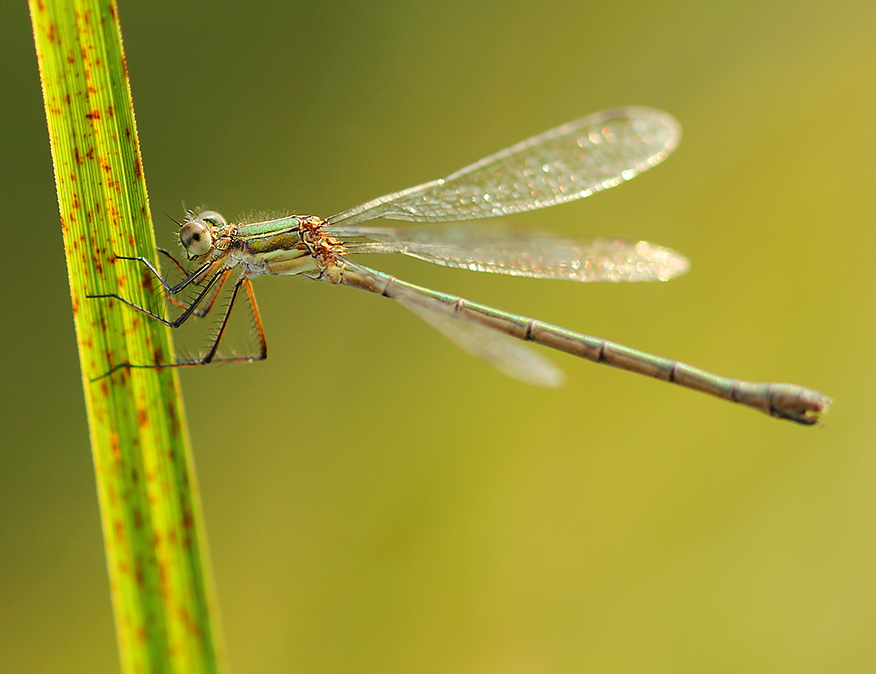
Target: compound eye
(211, 218)
(195, 237)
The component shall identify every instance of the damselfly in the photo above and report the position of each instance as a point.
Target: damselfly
(570, 162)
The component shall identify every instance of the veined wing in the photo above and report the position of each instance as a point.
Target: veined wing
(509, 356)
(504, 250)
(570, 162)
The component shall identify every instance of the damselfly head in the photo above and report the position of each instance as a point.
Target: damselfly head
(198, 232)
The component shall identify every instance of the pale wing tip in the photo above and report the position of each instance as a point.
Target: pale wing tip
(656, 122)
(542, 373)
(678, 265)
(543, 376)
(662, 263)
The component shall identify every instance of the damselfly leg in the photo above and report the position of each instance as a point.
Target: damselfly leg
(210, 280)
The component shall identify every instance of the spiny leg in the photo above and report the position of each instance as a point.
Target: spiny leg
(208, 305)
(257, 319)
(212, 297)
(168, 254)
(182, 270)
(200, 272)
(211, 300)
(217, 279)
(263, 348)
(189, 309)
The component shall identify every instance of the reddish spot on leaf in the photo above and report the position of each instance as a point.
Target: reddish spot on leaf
(162, 573)
(186, 619)
(142, 417)
(115, 447)
(187, 520)
(146, 280)
(94, 114)
(173, 417)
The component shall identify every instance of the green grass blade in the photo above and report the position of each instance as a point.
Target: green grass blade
(162, 593)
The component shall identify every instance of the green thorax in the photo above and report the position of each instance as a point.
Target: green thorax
(266, 237)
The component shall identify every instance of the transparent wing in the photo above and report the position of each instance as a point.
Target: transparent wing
(570, 162)
(507, 355)
(503, 250)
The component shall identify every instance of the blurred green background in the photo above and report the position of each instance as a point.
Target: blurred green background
(377, 501)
